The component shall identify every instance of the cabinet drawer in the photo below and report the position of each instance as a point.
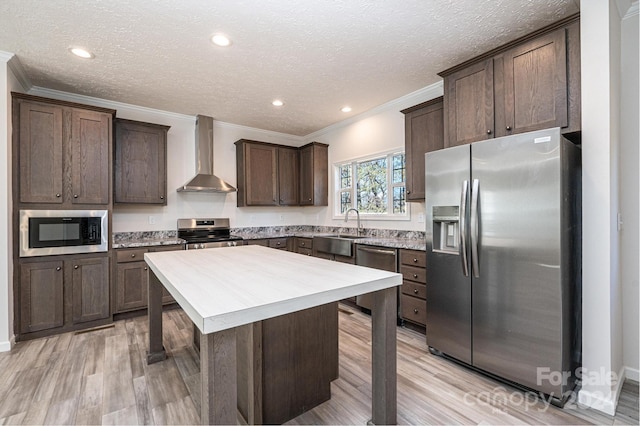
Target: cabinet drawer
(413, 257)
(414, 289)
(278, 243)
(412, 273)
(305, 251)
(130, 255)
(306, 243)
(413, 309)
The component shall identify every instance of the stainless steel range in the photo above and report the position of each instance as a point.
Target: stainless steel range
(207, 233)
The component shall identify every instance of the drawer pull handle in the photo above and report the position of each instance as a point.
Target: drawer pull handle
(75, 266)
(58, 268)
(415, 275)
(415, 311)
(302, 244)
(415, 260)
(133, 255)
(278, 243)
(415, 290)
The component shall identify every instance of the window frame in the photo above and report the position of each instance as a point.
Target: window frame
(337, 191)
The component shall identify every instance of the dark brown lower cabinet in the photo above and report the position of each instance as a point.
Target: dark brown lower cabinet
(298, 356)
(413, 304)
(90, 287)
(41, 296)
(69, 293)
(132, 278)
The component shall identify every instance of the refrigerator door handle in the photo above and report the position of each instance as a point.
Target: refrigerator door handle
(462, 222)
(473, 227)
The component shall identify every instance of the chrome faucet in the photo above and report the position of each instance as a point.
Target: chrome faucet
(346, 218)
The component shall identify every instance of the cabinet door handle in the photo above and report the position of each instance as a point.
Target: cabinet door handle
(57, 195)
(415, 311)
(162, 197)
(408, 192)
(146, 269)
(309, 199)
(75, 195)
(508, 128)
(75, 266)
(489, 131)
(58, 268)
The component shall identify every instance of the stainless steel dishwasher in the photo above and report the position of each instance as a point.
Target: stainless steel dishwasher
(378, 258)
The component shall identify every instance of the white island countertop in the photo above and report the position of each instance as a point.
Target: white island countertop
(222, 288)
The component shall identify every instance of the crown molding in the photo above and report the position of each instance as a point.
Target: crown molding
(266, 133)
(5, 56)
(105, 103)
(16, 68)
(422, 95)
(632, 11)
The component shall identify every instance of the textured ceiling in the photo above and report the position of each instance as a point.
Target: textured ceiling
(315, 55)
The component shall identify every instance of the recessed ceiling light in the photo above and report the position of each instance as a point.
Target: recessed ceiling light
(346, 109)
(81, 53)
(221, 40)
(277, 103)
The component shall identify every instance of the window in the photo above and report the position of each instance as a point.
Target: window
(374, 186)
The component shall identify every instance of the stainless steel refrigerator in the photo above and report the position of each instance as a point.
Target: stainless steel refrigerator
(503, 258)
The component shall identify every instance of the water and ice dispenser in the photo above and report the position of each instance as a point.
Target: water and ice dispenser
(446, 229)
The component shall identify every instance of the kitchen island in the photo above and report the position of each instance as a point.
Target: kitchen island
(224, 289)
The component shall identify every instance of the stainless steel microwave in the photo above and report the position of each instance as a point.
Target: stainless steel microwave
(54, 232)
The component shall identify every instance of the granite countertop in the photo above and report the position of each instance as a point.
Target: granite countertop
(403, 243)
(145, 239)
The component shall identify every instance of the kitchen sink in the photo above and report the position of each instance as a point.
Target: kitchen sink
(339, 244)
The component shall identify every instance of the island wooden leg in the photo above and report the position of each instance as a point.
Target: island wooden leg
(156, 350)
(383, 357)
(219, 378)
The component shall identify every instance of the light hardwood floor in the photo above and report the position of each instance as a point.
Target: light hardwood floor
(100, 377)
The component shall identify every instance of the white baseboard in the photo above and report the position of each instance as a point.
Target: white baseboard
(632, 374)
(605, 403)
(8, 345)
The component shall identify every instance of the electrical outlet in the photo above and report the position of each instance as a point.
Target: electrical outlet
(281, 218)
(152, 220)
(421, 218)
(252, 218)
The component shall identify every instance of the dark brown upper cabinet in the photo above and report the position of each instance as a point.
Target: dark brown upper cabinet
(63, 152)
(423, 132)
(314, 174)
(278, 175)
(529, 84)
(535, 84)
(257, 169)
(469, 104)
(288, 170)
(140, 163)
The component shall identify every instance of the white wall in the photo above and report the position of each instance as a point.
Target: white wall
(8, 84)
(629, 190)
(379, 130)
(602, 305)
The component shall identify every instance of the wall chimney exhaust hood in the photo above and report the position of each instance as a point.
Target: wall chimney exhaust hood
(205, 180)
